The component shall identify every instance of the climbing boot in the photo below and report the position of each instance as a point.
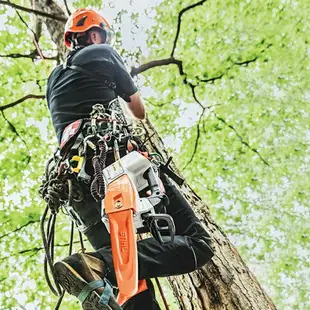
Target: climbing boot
(82, 275)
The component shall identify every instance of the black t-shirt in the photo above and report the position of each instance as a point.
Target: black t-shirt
(71, 94)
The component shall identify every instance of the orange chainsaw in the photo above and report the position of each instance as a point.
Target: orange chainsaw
(134, 195)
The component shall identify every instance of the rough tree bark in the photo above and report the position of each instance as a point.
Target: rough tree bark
(225, 282)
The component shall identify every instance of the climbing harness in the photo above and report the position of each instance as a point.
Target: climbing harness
(132, 195)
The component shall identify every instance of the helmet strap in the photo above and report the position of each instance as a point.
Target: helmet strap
(79, 40)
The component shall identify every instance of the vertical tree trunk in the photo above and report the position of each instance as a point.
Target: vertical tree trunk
(225, 282)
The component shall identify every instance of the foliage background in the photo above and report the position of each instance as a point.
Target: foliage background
(236, 120)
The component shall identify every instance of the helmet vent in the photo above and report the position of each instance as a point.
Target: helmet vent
(81, 22)
(102, 25)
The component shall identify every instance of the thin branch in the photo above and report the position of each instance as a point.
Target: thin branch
(159, 105)
(35, 250)
(67, 8)
(242, 63)
(246, 62)
(22, 307)
(241, 139)
(214, 105)
(197, 140)
(194, 95)
(167, 61)
(19, 228)
(211, 80)
(157, 63)
(36, 12)
(179, 24)
(17, 55)
(221, 120)
(12, 104)
(14, 130)
(35, 38)
(31, 55)
(24, 22)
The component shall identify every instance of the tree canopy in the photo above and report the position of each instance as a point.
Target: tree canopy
(229, 94)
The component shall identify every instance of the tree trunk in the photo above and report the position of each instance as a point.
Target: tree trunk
(225, 282)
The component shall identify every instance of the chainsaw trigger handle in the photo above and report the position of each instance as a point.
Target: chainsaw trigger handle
(161, 226)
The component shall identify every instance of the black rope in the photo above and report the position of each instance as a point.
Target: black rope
(48, 259)
(60, 300)
(82, 242)
(52, 188)
(56, 188)
(70, 252)
(71, 238)
(98, 187)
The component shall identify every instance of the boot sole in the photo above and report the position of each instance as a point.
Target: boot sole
(73, 283)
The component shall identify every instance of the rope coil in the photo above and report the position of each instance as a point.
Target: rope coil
(98, 186)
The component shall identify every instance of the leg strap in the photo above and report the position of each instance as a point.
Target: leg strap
(104, 299)
(107, 293)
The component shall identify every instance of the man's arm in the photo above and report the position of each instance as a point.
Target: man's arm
(125, 85)
(136, 106)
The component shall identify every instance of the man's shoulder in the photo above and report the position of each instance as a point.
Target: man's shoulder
(54, 72)
(95, 52)
(101, 48)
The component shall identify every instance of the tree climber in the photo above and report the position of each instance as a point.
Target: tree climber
(72, 91)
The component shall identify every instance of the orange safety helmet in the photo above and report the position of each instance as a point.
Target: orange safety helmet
(84, 19)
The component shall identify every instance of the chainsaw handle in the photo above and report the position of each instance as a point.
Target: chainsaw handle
(155, 189)
(160, 233)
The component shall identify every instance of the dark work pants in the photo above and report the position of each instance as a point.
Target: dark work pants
(190, 250)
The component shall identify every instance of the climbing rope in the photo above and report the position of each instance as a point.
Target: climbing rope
(56, 189)
(98, 186)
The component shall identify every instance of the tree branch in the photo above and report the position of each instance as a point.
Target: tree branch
(19, 228)
(197, 140)
(179, 23)
(157, 63)
(13, 129)
(194, 95)
(12, 104)
(172, 60)
(67, 8)
(17, 55)
(36, 250)
(24, 22)
(241, 139)
(36, 12)
(241, 63)
(35, 37)
(159, 105)
(246, 62)
(211, 80)
(31, 55)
